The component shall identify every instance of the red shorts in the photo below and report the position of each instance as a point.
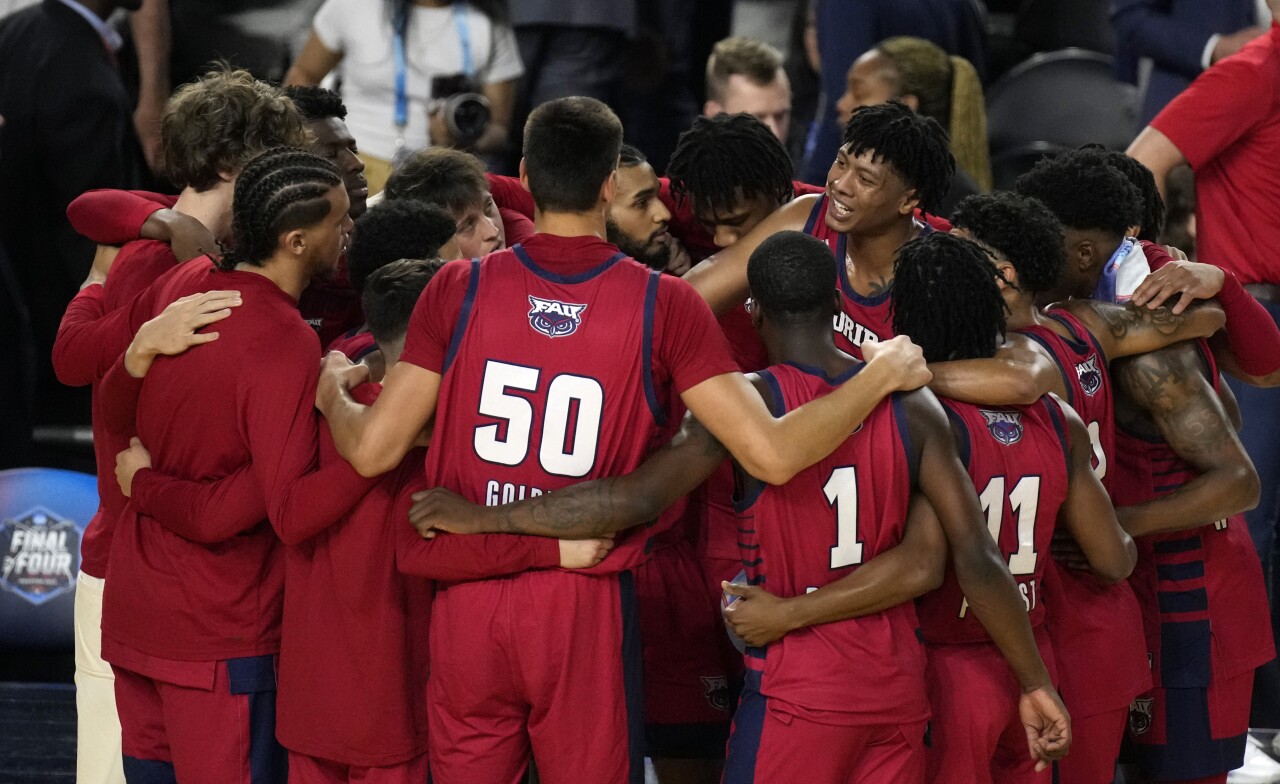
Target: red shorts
(220, 735)
(544, 664)
(313, 770)
(1191, 733)
(770, 744)
(977, 736)
(687, 694)
(1095, 747)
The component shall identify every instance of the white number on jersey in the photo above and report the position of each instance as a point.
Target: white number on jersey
(1025, 501)
(557, 453)
(842, 494)
(1099, 456)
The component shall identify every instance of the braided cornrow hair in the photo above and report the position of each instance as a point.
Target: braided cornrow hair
(280, 190)
(724, 160)
(945, 298)
(913, 144)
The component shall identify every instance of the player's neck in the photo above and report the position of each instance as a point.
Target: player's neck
(873, 254)
(570, 224)
(808, 345)
(1022, 311)
(212, 207)
(284, 270)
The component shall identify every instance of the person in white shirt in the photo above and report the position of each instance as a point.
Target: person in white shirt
(390, 54)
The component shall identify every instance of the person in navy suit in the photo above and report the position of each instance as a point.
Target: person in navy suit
(1181, 38)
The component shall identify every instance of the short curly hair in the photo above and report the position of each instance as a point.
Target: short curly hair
(1022, 230)
(1153, 209)
(216, 124)
(792, 277)
(390, 294)
(393, 230)
(914, 145)
(316, 103)
(1084, 193)
(450, 178)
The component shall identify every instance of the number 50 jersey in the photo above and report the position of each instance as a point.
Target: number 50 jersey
(556, 369)
(1017, 458)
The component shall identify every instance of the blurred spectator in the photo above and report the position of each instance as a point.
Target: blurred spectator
(67, 130)
(1180, 218)
(404, 55)
(845, 30)
(765, 20)
(746, 76)
(937, 85)
(261, 36)
(1180, 40)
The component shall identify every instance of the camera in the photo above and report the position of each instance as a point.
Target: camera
(464, 109)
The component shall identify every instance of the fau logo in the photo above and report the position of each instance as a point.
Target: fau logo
(1090, 376)
(553, 318)
(1140, 714)
(1005, 426)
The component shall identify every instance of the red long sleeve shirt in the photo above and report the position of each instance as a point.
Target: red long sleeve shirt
(204, 415)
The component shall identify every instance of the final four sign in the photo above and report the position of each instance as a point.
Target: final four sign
(40, 551)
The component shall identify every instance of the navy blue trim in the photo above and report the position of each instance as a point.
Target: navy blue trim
(1190, 751)
(632, 676)
(818, 372)
(1060, 425)
(1190, 570)
(1044, 343)
(140, 771)
(581, 277)
(904, 432)
(777, 404)
(464, 315)
(702, 740)
(1186, 654)
(819, 208)
(268, 761)
(1079, 343)
(251, 674)
(1196, 600)
(846, 288)
(359, 355)
(1178, 545)
(646, 355)
(963, 430)
(748, 727)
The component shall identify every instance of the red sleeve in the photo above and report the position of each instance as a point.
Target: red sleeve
(118, 396)
(683, 226)
(452, 557)
(508, 192)
(689, 341)
(112, 217)
(202, 511)
(1251, 332)
(137, 266)
(88, 343)
(515, 226)
(1223, 104)
(805, 189)
(431, 326)
(276, 406)
(937, 224)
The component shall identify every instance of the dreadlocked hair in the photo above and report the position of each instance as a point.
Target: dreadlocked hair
(316, 103)
(280, 190)
(945, 298)
(792, 278)
(1019, 228)
(949, 91)
(913, 144)
(1153, 209)
(1085, 193)
(723, 160)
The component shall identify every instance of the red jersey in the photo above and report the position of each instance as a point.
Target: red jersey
(1203, 601)
(861, 318)
(556, 359)
(817, 528)
(204, 415)
(1017, 457)
(1096, 628)
(1225, 125)
(355, 344)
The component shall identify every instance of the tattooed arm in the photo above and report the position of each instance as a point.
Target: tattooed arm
(1126, 330)
(587, 509)
(1020, 373)
(1170, 387)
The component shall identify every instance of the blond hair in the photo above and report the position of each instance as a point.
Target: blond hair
(754, 59)
(948, 90)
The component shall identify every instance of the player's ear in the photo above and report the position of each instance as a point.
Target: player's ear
(1083, 255)
(296, 242)
(712, 108)
(610, 188)
(910, 201)
(1009, 273)
(524, 175)
(837, 303)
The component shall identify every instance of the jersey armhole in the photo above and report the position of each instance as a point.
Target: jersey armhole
(464, 315)
(747, 488)
(1059, 426)
(904, 432)
(1071, 392)
(646, 360)
(961, 431)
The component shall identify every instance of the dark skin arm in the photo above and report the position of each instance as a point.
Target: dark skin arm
(914, 567)
(1087, 514)
(587, 509)
(1169, 389)
(984, 577)
(1019, 374)
(1126, 330)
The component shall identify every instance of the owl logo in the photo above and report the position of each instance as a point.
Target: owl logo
(1004, 426)
(1089, 375)
(1141, 712)
(553, 318)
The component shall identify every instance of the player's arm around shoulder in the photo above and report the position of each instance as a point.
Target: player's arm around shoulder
(1087, 511)
(721, 279)
(1126, 330)
(1020, 373)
